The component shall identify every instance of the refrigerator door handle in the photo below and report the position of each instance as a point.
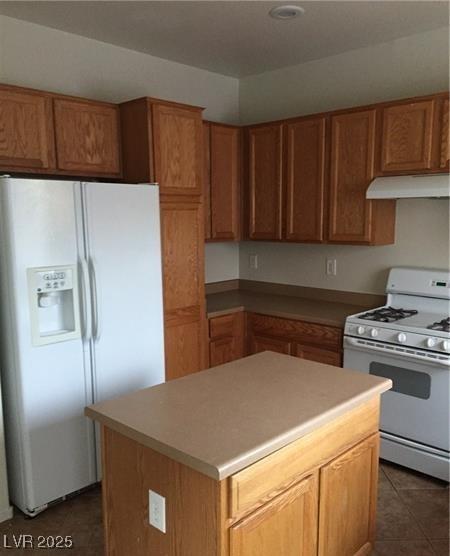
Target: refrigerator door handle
(87, 297)
(96, 330)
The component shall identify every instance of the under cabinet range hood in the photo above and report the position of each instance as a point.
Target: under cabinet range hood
(410, 187)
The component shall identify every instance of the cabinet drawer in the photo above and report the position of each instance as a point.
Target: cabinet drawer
(328, 337)
(261, 343)
(319, 355)
(259, 483)
(221, 327)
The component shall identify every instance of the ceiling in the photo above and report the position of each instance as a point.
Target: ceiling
(236, 38)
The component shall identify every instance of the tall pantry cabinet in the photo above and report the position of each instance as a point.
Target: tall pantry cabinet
(163, 143)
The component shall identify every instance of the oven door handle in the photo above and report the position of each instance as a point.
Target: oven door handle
(398, 352)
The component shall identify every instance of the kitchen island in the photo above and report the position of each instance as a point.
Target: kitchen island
(269, 455)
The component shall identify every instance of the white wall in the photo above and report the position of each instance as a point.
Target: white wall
(422, 239)
(222, 261)
(410, 66)
(35, 56)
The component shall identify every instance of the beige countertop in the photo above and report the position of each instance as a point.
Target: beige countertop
(312, 310)
(223, 419)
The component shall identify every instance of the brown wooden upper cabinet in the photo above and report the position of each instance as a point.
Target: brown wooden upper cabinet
(353, 218)
(46, 133)
(306, 166)
(222, 181)
(163, 142)
(444, 159)
(407, 137)
(87, 137)
(26, 131)
(265, 181)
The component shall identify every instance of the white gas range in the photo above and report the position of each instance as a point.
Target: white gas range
(408, 341)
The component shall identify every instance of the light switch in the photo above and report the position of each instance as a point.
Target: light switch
(157, 510)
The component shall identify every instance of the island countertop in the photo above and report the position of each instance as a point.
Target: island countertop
(224, 419)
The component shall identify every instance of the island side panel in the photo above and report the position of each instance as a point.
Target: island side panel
(194, 503)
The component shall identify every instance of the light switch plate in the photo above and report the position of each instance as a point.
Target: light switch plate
(157, 510)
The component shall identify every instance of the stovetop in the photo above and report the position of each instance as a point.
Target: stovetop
(442, 325)
(388, 314)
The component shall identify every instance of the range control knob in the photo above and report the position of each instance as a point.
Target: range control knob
(374, 332)
(360, 330)
(430, 342)
(446, 345)
(402, 337)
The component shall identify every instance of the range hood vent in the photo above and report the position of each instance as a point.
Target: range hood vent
(410, 187)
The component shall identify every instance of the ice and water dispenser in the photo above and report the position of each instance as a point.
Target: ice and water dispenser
(54, 304)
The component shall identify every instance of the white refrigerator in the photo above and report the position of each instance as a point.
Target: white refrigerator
(81, 322)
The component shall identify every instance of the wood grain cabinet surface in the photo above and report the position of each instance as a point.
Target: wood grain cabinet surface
(348, 492)
(26, 131)
(178, 148)
(224, 179)
(444, 159)
(306, 171)
(407, 137)
(87, 137)
(227, 338)
(265, 181)
(352, 217)
(285, 526)
(310, 341)
(183, 287)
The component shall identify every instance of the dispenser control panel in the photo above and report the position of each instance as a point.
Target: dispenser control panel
(54, 280)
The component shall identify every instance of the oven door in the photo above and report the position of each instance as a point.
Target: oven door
(417, 407)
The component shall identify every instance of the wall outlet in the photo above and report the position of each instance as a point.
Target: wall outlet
(157, 510)
(253, 262)
(331, 267)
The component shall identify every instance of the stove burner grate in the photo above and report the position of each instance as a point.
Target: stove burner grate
(389, 314)
(442, 325)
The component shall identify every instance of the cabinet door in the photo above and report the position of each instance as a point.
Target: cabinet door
(352, 169)
(265, 173)
(287, 525)
(222, 351)
(183, 282)
(407, 137)
(207, 178)
(348, 491)
(26, 131)
(178, 149)
(319, 355)
(445, 139)
(305, 179)
(87, 137)
(263, 343)
(224, 182)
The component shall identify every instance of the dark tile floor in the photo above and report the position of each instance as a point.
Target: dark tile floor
(413, 519)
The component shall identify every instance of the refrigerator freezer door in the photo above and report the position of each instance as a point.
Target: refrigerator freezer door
(124, 253)
(49, 442)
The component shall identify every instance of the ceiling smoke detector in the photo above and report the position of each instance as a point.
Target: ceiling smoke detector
(286, 12)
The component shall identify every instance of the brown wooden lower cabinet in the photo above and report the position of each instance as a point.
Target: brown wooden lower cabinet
(310, 341)
(286, 525)
(227, 338)
(264, 343)
(316, 495)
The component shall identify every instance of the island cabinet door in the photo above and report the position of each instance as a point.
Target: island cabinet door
(285, 526)
(348, 490)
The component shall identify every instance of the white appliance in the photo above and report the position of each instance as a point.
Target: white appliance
(82, 321)
(410, 187)
(408, 341)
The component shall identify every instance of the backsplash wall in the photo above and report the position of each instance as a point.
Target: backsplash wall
(422, 239)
